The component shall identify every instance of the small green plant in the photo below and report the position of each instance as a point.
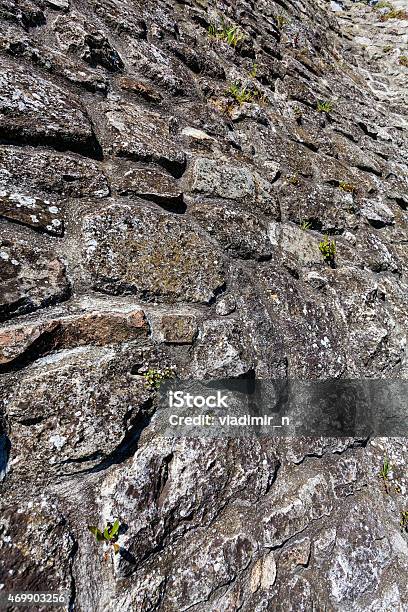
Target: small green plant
(325, 107)
(404, 520)
(348, 187)
(240, 94)
(212, 30)
(245, 94)
(281, 21)
(155, 377)
(328, 249)
(254, 71)
(108, 535)
(232, 35)
(392, 13)
(387, 48)
(403, 60)
(395, 14)
(385, 470)
(383, 4)
(305, 225)
(293, 179)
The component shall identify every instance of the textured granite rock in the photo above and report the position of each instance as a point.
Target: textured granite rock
(33, 110)
(151, 254)
(31, 276)
(165, 201)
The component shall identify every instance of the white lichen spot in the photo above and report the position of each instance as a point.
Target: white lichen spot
(92, 244)
(22, 200)
(57, 441)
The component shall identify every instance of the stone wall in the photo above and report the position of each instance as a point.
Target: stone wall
(168, 173)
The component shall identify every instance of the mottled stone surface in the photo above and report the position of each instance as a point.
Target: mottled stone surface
(176, 328)
(33, 110)
(165, 202)
(240, 233)
(87, 328)
(31, 277)
(151, 254)
(141, 135)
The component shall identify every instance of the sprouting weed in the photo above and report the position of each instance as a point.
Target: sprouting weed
(392, 13)
(109, 534)
(254, 71)
(328, 249)
(404, 520)
(232, 35)
(155, 377)
(385, 470)
(325, 107)
(245, 94)
(293, 179)
(281, 21)
(348, 187)
(240, 94)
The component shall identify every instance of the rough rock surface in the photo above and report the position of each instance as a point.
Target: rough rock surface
(153, 219)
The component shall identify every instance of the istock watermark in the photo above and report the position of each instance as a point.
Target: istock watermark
(245, 407)
(181, 399)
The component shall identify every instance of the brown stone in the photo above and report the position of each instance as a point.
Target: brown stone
(94, 328)
(15, 341)
(140, 88)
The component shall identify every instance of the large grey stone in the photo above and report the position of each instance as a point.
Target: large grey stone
(150, 254)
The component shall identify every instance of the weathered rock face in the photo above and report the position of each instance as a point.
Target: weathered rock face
(138, 250)
(168, 173)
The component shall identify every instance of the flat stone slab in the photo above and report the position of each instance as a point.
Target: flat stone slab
(31, 275)
(70, 331)
(142, 135)
(34, 184)
(150, 184)
(151, 254)
(35, 111)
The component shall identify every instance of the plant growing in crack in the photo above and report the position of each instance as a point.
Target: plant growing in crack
(244, 94)
(107, 535)
(254, 71)
(389, 11)
(293, 179)
(347, 187)
(232, 35)
(305, 225)
(404, 520)
(328, 250)
(297, 112)
(326, 106)
(385, 472)
(155, 377)
(281, 21)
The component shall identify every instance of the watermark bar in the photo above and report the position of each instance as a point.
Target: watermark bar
(30, 599)
(245, 407)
